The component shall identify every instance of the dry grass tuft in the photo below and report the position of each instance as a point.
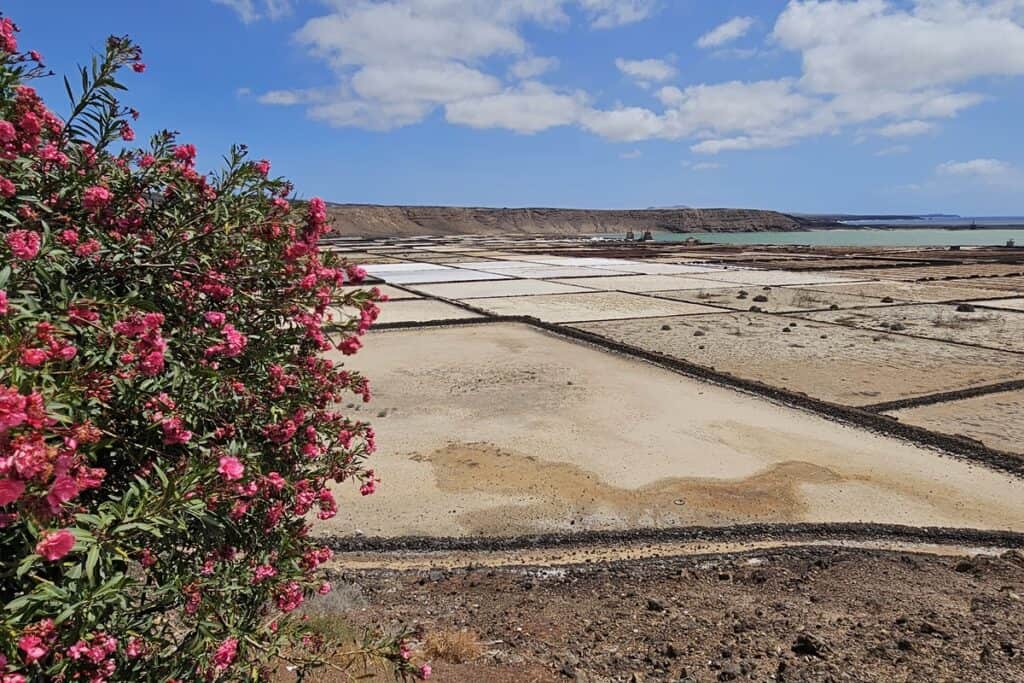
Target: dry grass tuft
(455, 647)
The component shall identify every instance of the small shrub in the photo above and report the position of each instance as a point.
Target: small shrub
(456, 647)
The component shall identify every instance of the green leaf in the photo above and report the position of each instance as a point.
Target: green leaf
(90, 563)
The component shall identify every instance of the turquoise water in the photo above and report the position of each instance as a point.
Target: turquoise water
(859, 237)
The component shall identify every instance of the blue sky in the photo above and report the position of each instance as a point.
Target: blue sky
(858, 106)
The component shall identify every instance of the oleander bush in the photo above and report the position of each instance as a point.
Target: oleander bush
(168, 423)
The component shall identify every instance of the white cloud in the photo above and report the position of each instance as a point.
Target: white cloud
(610, 13)
(529, 108)
(892, 67)
(873, 45)
(531, 67)
(645, 71)
(734, 29)
(253, 10)
(985, 168)
(631, 154)
(707, 166)
(906, 129)
(894, 150)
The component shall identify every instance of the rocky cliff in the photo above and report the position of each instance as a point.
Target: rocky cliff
(397, 221)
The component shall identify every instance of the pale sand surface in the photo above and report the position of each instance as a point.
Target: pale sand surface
(646, 283)
(643, 283)
(543, 271)
(557, 308)
(925, 292)
(780, 299)
(1009, 304)
(993, 329)
(648, 268)
(503, 429)
(776, 277)
(968, 270)
(560, 556)
(849, 366)
(1009, 285)
(421, 310)
(393, 293)
(496, 288)
(996, 420)
(448, 275)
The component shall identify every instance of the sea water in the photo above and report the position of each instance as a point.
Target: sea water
(859, 237)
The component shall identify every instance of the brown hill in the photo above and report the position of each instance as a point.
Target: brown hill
(367, 220)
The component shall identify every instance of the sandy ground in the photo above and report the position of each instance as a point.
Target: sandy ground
(994, 419)
(778, 299)
(992, 329)
(645, 283)
(924, 292)
(831, 362)
(559, 308)
(1009, 304)
(564, 555)
(421, 310)
(777, 277)
(503, 429)
(497, 288)
(1006, 284)
(970, 270)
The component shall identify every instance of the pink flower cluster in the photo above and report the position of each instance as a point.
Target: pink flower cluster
(148, 351)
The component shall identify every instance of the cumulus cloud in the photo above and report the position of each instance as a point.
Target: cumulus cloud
(734, 29)
(645, 71)
(891, 68)
(529, 108)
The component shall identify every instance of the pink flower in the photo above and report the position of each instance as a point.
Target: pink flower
(7, 188)
(263, 167)
(425, 671)
(12, 408)
(33, 647)
(225, 654)
(230, 468)
(174, 431)
(95, 198)
(138, 67)
(4, 306)
(24, 243)
(55, 544)
(152, 363)
(263, 572)
(325, 588)
(10, 490)
(185, 153)
(127, 134)
(289, 596)
(215, 318)
(33, 358)
(350, 345)
(64, 488)
(135, 648)
(7, 131)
